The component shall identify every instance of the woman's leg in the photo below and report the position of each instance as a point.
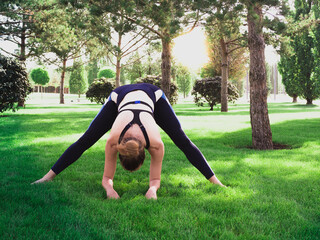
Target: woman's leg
(98, 127)
(168, 121)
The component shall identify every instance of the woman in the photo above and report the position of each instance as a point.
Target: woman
(132, 112)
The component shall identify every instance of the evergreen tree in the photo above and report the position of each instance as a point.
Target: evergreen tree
(77, 82)
(92, 70)
(183, 79)
(298, 65)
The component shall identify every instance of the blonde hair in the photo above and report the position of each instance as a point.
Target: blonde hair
(131, 153)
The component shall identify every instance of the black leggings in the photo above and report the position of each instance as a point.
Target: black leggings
(164, 117)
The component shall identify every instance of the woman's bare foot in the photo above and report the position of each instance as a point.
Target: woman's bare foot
(46, 178)
(215, 180)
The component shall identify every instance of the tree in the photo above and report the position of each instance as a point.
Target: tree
(62, 31)
(99, 90)
(77, 80)
(165, 19)
(183, 78)
(106, 73)
(92, 70)
(16, 26)
(14, 84)
(209, 90)
(298, 64)
(223, 30)
(40, 76)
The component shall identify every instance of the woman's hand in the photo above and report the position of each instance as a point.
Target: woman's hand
(112, 194)
(107, 184)
(152, 193)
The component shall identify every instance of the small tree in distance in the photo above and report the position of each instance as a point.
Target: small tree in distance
(40, 76)
(208, 90)
(77, 80)
(106, 73)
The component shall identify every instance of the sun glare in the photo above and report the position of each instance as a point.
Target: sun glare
(190, 49)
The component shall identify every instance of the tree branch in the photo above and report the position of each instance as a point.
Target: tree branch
(12, 54)
(141, 24)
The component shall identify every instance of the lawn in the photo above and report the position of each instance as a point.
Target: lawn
(270, 195)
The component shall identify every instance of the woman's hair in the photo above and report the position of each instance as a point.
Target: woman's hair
(131, 153)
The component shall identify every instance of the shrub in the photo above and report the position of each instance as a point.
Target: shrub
(106, 73)
(156, 80)
(39, 76)
(14, 84)
(99, 90)
(209, 90)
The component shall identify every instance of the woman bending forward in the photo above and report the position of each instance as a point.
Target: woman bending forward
(132, 112)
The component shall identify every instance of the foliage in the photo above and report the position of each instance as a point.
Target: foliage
(64, 32)
(183, 79)
(17, 26)
(298, 64)
(156, 80)
(99, 90)
(209, 90)
(93, 71)
(77, 80)
(106, 73)
(14, 84)
(237, 57)
(40, 76)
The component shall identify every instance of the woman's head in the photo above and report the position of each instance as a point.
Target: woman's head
(131, 153)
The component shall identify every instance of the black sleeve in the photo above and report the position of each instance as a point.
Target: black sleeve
(168, 121)
(98, 127)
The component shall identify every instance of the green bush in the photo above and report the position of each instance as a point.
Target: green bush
(14, 84)
(106, 73)
(99, 90)
(156, 80)
(39, 76)
(208, 90)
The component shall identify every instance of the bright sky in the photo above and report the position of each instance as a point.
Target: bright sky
(190, 50)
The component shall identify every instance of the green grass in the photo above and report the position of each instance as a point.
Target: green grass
(271, 194)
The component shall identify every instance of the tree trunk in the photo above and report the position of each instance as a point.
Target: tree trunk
(295, 98)
(118, 66)
(22, 57)
(309, 101)
(224, 75)
(261, 131)
(118, 71)
(166, 67)
(64, 64)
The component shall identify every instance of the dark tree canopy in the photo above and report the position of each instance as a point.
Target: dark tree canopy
(14, 84)
(208, 90)
(99, 90)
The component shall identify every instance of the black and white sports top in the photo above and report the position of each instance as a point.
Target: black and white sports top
(152, 92)
(136, 120)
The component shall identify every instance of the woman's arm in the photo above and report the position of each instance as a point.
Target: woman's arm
(157, 152)
(110, 168)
